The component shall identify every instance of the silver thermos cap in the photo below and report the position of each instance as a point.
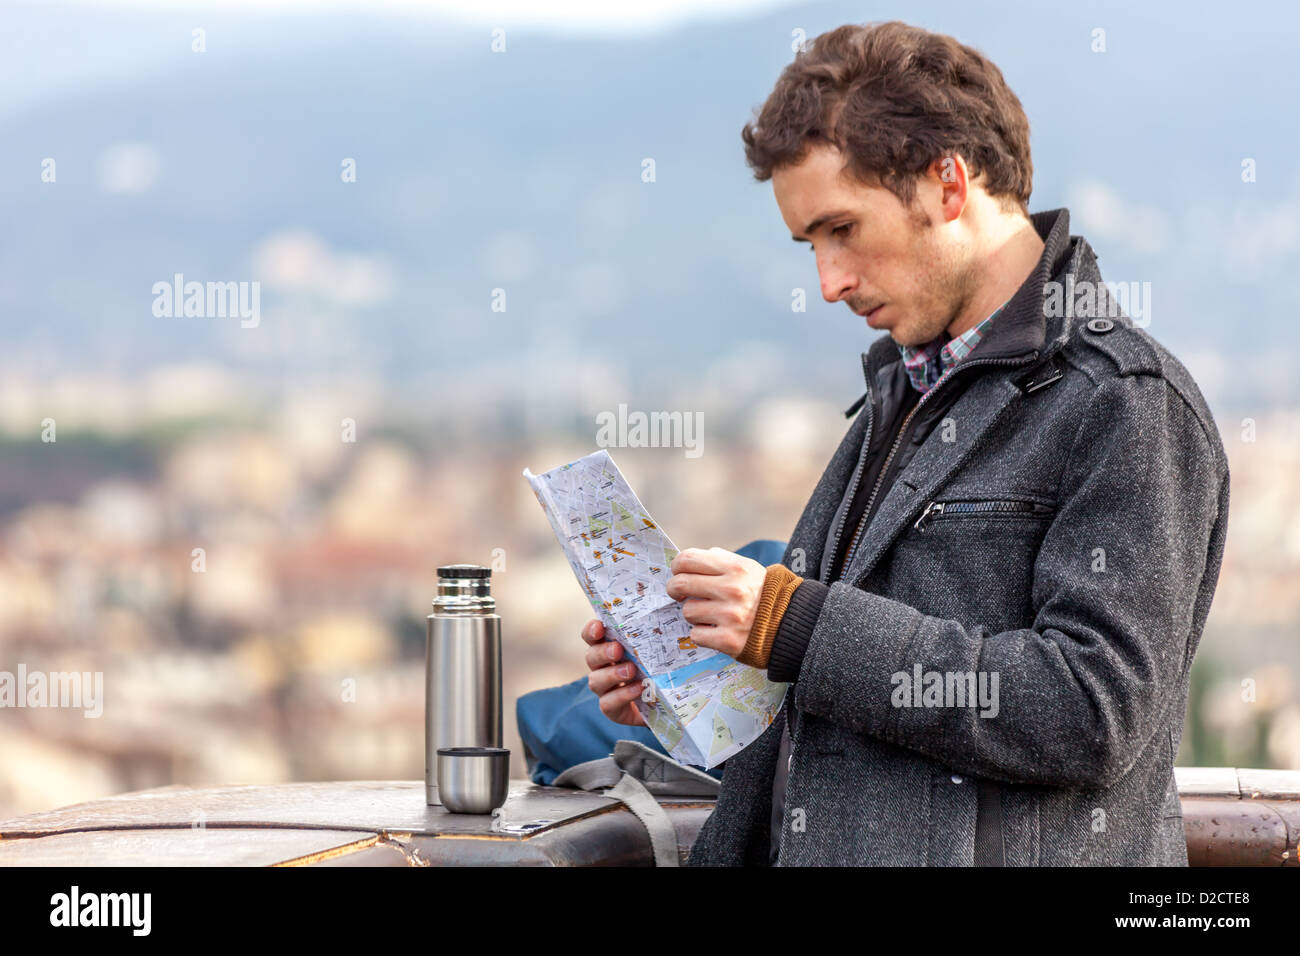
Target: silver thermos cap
(464, 588)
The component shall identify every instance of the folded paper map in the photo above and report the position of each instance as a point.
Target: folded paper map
(701, 704)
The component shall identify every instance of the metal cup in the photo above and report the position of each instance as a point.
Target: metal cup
(473, 779)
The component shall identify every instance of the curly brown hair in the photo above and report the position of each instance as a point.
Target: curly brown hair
(894, 98)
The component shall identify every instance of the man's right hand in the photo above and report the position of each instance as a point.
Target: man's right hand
(612, 679)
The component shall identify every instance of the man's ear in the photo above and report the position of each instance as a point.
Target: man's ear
(952, 176)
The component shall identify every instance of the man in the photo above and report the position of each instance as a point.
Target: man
(989, 608)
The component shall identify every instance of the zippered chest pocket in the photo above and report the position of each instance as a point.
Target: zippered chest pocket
(981, 508)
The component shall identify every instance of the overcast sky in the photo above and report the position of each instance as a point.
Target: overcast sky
(570, 16)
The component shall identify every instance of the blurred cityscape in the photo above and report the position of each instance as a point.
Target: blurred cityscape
(253, 585)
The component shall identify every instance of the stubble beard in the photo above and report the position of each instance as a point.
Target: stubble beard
(948, 286)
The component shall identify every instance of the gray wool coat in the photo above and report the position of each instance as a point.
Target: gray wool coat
(1078, 566)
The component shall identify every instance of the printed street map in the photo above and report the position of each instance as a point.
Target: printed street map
(706, 706)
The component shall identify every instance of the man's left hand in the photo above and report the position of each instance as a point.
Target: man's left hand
(719, 591)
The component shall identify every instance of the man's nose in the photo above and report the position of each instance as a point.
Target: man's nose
(837, 282)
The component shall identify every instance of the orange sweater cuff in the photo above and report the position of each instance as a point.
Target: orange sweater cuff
(778, 586)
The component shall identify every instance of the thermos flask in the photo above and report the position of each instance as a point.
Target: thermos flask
(462, 668)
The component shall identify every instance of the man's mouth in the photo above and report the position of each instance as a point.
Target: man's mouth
(872, 313)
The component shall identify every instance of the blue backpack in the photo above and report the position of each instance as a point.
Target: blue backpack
(563, 726)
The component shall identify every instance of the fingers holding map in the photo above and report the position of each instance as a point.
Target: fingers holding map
(703, 706)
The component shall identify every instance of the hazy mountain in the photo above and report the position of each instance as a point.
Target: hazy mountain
(522, 170)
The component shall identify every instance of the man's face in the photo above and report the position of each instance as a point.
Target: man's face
(872, 252)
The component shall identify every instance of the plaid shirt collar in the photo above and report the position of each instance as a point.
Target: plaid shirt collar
(927, 364)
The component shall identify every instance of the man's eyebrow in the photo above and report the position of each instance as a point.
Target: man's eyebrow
(817, 223)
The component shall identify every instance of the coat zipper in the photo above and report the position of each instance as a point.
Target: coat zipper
(789, 772)
(853, 486)
(902, 431)
(839, 531)
(936, 509)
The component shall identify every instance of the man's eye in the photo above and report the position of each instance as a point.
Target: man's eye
(842, 230)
